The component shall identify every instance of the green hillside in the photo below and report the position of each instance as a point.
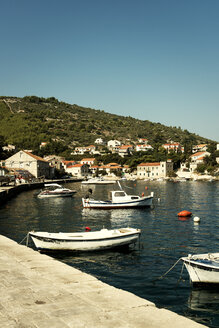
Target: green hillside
(28, 121)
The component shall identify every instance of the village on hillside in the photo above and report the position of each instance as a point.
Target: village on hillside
(24, 166)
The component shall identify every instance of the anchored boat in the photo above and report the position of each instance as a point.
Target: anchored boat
(98, 180)
(85, 241)
(203, 269)
(119, 199)
(55, 190)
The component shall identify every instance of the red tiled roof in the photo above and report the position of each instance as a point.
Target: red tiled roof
(198, 154)
(125, 146)
(76, 165)
(35, 157)
(149, 164)
(67, 162)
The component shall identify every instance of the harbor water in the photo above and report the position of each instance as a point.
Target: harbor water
(165, 238)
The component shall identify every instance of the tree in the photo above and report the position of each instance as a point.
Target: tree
(201, 168)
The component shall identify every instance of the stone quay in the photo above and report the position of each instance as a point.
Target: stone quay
(37, 291)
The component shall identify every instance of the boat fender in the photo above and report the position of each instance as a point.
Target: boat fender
(185, 213)
(142, 194)
(146, 188)
(196, 219)
(87, 229)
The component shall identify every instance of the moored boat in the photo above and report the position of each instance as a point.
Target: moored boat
(85, 241)
(203, 269)
(98, 180)
(55, 190)
(119, 199)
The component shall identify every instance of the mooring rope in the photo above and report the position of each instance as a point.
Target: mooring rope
(26, 237)
(161, 277)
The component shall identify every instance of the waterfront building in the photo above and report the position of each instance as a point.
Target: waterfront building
(36, 165)
(197, 158)
(154, 170)
(78, 170)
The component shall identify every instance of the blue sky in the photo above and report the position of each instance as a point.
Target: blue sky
(154, 60)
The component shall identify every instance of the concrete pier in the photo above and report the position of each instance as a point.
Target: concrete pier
(37, 291)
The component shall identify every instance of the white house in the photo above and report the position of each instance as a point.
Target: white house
(9, 148)
(143, 147)
(143, 140)
(89, 161)
(154, 170)
(113, 143)
(197, 158)
(111, 167)
(99, 141)
(198, 148)
(66, 164)
(78, 170)
(36, 165)
(43, 144)
(82, 150)
(125, 150)
(175, 146)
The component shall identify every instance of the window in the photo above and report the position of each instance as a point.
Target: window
(119, 194)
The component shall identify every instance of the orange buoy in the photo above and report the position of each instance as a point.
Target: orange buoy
(184, 213)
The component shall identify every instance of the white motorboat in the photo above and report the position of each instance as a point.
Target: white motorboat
(203, 269)
(119, 199)
(99, 180)
(85, 241)
(55, 190)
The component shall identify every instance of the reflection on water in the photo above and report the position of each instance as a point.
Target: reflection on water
(204, 300)
(164, 239)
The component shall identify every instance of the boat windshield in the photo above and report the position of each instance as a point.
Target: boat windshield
(119, 194)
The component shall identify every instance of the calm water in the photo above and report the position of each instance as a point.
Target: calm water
(164, 239)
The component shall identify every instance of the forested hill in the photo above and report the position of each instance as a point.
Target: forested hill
(28, 121)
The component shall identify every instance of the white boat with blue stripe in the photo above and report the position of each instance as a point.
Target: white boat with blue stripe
(203, 269)
(85, 241)
(119, 199)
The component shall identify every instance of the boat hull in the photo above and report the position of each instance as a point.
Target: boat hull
(84, 242)
(91, 203)
(98, 182)
(203, 269)
(56, 195)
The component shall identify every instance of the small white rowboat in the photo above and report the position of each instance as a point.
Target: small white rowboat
(203, 269)
(85, 241)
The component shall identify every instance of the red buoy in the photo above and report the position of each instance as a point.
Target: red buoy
(87, 229)
(184, 213)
